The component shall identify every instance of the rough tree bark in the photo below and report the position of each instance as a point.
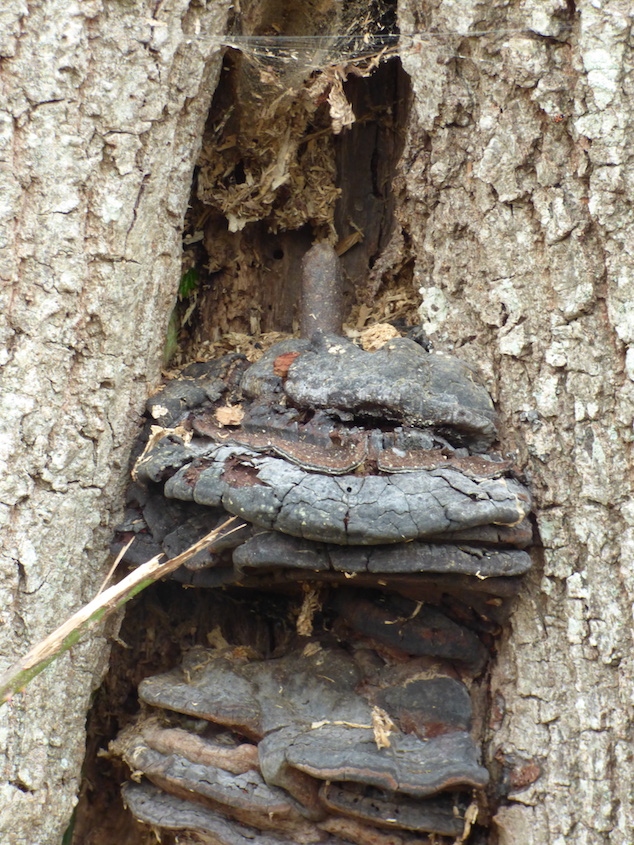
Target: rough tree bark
(102, 112)
(522, 227)
(515, 194)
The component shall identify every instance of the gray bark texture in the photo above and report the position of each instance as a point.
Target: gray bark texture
(101, 116)
(519, 183)
(515, 194)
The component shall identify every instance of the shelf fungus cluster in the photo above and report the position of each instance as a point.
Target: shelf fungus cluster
(370, 500)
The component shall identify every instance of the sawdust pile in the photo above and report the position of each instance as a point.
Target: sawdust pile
(371, 326)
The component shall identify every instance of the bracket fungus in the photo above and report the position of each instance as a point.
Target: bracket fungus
(365, 480)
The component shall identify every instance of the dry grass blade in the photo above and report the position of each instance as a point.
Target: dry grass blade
(17, 676)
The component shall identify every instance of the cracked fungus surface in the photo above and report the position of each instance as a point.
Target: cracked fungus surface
(371, 502)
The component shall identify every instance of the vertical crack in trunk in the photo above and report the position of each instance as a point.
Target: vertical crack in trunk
(326, 681)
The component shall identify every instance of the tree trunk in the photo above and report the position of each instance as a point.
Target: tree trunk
(513, 198)
(518, 201)
(102, 113)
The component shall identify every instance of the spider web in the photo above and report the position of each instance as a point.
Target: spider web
(310, 52)
(276, 56)
(341, 32)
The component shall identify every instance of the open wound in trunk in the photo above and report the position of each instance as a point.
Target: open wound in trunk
(372, 506)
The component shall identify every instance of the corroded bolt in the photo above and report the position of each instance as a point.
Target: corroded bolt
(322, 292)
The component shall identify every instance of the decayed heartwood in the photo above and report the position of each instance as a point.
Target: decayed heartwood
(516, 198)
